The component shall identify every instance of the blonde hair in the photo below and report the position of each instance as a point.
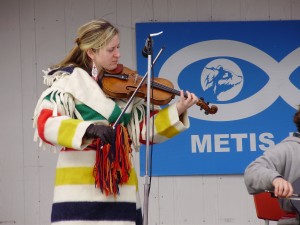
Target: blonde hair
(92, 35)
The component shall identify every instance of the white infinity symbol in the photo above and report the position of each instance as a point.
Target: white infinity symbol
(278, 72)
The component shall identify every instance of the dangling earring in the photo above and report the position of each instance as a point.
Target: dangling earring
(94, 71)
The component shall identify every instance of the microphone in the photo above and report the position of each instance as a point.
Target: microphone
(147, 48)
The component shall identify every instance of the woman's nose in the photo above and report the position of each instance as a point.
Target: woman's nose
(117, 53)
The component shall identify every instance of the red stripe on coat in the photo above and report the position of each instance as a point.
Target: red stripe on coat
(41, 122)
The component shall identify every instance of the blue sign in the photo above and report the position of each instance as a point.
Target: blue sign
(249, 70)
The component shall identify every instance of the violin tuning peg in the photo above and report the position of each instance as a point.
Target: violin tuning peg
(206, 113)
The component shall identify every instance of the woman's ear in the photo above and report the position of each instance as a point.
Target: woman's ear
(91, 53)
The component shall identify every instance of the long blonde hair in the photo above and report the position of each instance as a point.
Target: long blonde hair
(92, 35)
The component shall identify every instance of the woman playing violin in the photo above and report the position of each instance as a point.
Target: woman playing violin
(95, 177)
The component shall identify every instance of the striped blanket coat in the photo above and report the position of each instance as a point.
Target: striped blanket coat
(71, 103)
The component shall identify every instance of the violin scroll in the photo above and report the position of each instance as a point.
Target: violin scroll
(205, 106)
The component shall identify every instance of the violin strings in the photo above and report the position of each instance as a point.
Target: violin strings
(165, 88)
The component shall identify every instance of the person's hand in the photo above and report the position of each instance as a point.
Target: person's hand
(105, 133)
(186, 102)
(282, 188)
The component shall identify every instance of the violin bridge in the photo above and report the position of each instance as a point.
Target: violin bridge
(135, 79)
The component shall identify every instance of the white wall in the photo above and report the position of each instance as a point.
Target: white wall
(37, 33)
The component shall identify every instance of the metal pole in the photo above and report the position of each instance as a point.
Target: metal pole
(147, 177)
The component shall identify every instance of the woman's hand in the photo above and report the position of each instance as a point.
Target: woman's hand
(105, 133)
(186, 102)
(282, 188)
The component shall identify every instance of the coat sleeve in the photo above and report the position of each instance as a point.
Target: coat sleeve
(164, 124)
(261, 172)
(57, 128)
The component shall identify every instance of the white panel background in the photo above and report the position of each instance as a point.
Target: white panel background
(37, 33)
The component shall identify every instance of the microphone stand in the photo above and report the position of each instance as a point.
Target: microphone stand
(148, 50)
(147, 177)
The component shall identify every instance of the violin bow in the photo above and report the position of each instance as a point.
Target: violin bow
(137, 89)
(294, 196)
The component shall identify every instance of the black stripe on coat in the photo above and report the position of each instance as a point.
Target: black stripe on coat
(94, 211)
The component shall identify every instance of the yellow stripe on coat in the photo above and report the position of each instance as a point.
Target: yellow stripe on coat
(83, 175)
(67, 132)
(163, 124)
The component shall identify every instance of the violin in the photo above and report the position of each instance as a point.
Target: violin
(122, 82)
